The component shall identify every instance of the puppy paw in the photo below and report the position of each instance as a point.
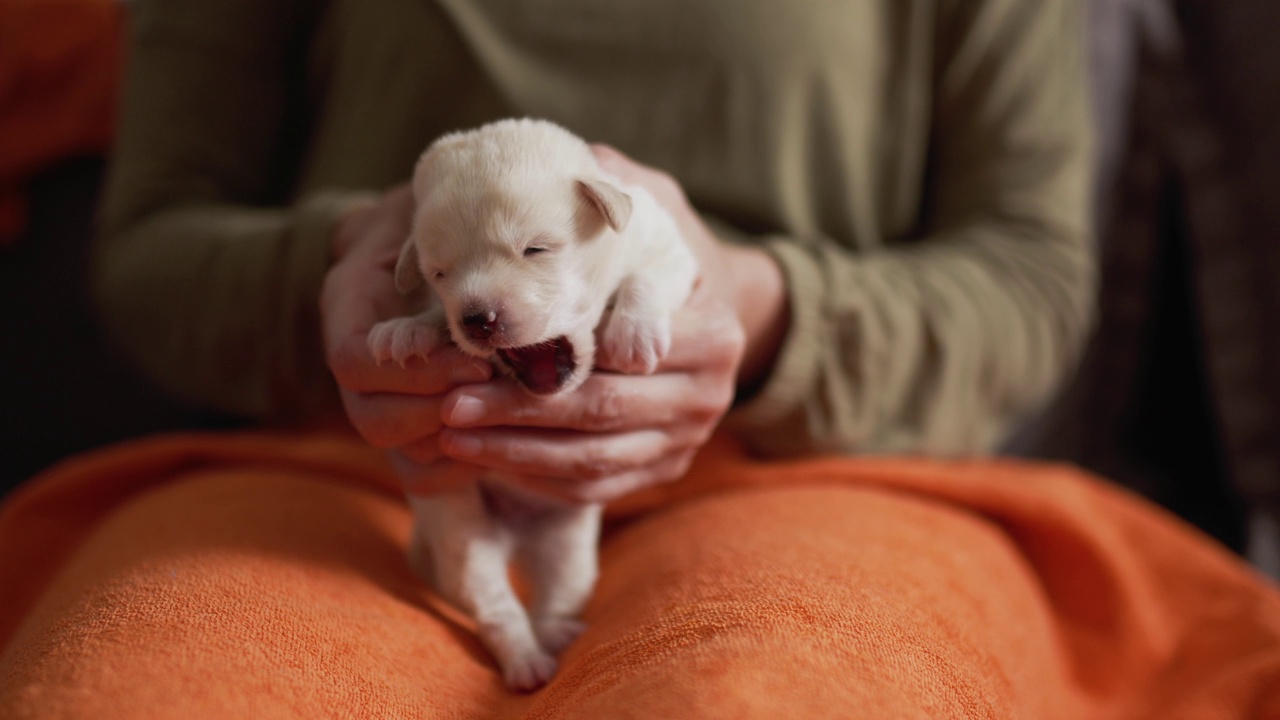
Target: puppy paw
(402, 338)
(528, 671)
(556, 633)
(636, 344)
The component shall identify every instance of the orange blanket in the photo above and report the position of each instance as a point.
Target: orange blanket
(261, 576)
(60, 63)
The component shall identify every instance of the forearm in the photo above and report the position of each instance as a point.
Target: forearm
(206, 271)
(935, 350)
(940, 344)
(218, 303)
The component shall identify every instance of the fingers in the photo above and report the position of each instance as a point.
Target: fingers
(430, 477)
(667, 470)
(355, 369)
(619, 164)
(388, 420)
(360, 289)
(352, 301)
(615, 162)
(605, 403)
(439, 474)
(560, 454)
(391, 406)
(608, 489)
(694, 383)
(617, 433)
(662, 185)
(423, 450)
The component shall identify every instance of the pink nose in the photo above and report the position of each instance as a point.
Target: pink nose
(482, 325)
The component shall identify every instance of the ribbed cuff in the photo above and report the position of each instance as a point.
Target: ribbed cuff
(772, 411)
(313, 219)
(315, 216)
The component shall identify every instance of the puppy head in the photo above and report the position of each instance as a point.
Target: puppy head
(513, 224)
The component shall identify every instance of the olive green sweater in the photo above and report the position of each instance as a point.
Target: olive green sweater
(917, 167)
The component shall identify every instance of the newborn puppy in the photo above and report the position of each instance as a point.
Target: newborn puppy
(525, 244)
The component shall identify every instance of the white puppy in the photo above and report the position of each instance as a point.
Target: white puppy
(525, 244)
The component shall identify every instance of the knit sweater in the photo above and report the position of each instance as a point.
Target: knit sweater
(918, 168)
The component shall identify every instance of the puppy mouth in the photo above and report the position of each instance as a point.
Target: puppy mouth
(542, 368)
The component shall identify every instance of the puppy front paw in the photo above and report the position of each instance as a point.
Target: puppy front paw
(636, 344)
(402, 338)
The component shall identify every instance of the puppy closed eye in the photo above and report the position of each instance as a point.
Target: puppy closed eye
(534, 250)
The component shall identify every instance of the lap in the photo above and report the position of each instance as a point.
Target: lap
(276, 595)
(814, 602)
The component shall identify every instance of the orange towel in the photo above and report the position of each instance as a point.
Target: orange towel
(60, 63)
(261, 576)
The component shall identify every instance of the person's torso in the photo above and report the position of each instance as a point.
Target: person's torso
(806, 118)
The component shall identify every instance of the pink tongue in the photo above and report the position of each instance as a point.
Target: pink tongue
(541, 368)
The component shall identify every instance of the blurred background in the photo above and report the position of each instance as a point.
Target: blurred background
(1179, 392)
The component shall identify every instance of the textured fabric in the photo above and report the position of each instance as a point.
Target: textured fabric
(262, 576)
(918, 167)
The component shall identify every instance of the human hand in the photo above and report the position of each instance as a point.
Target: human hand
(392, 407)
(613, 435)
(747, 278)
(619, 433)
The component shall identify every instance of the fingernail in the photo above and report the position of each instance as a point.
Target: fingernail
(466, 410)
(470, 373)
(464, 444)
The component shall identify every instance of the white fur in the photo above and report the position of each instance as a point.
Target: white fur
(483, 197)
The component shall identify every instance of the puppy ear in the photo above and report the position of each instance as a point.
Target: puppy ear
(408, 274)
(612, 204)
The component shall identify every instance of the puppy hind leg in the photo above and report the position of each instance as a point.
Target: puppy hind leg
(559, 552)
(470, 553)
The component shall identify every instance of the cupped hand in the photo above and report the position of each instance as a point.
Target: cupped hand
(616, 433)
(620, 433)
(392, 407)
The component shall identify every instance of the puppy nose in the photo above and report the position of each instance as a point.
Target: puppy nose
(481, 325)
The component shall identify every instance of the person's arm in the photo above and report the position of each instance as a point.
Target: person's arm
(205, 272)
(940, 345)
(935, 347)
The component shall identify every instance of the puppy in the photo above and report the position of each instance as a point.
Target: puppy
(526, 246)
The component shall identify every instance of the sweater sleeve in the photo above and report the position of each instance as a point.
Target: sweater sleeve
(939, 345)
(205, 271)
